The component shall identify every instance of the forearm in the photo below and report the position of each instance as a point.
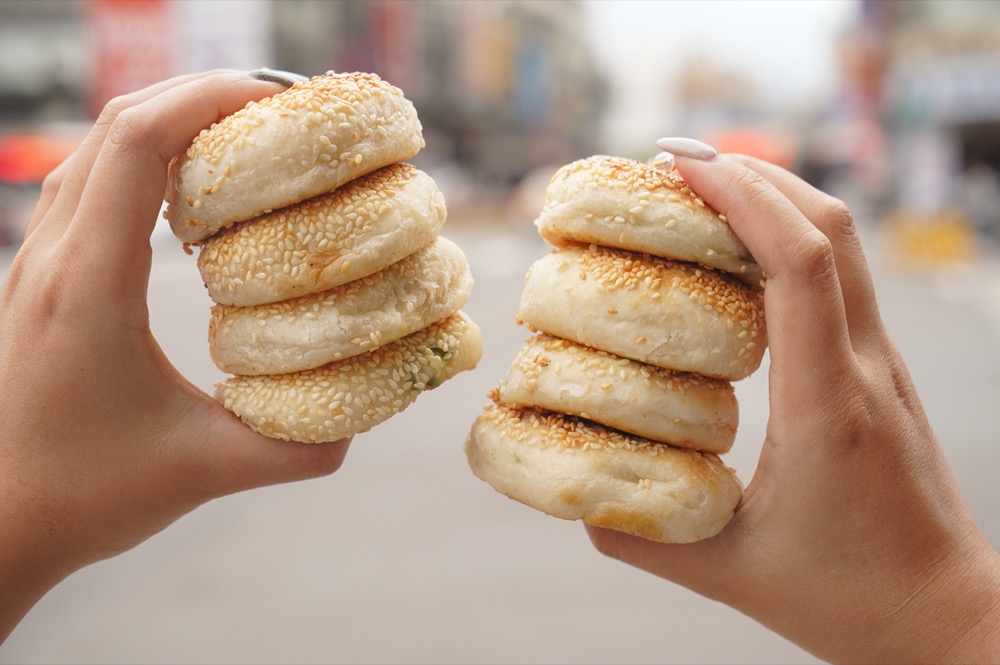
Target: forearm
(17, 600)
(947, 612)
(956, 619)
(32, 560)
(20, 589)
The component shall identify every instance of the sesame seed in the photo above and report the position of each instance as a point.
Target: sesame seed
(339, 399)
(296, 249)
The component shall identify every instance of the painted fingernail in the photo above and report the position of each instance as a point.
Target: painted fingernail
(683, 147)
(278, 76)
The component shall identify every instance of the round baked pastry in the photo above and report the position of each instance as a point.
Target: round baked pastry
(643, 208)
(574, 469)
(683, 409)
(344, 321)
(304, 141)
(325, 241)
(353, 395)
(671, 314)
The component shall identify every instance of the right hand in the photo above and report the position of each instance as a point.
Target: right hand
(852, 539)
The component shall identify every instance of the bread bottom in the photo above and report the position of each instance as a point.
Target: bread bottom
(574, 469)
(351, 396)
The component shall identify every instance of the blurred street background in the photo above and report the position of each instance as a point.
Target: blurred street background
(403, 556)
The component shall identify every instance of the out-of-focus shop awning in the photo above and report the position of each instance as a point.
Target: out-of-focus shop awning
(772, 147)
(27, 158)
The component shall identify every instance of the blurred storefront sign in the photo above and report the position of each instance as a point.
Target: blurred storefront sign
(533, 84)
(138, 42)
(771, 147)
(25, 159)
(400, 33)
(228, 34)
(132, 42)
(920, 240)
(950, 89)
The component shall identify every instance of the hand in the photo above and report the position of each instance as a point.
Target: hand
(851, 539)
(104, 443)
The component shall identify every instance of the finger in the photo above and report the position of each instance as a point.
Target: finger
(69, 183)
(706, 567)
(234, 458)
(804, 307)
(834, 220)
(247, 462)
(122, 197)
(50, 189)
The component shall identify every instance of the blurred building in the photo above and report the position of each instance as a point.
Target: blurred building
(933, 78)
(723, 106)
(502, 87)
(42, 71)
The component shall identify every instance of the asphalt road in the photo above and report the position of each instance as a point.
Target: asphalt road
(403, 556)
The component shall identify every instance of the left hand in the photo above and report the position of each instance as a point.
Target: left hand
(104, 443)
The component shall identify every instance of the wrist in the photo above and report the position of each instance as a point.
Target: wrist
(30, 563)
(19, 595)
(954, 618)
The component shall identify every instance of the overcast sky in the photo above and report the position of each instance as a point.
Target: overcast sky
(787, 46)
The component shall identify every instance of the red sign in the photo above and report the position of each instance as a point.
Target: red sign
(132, 42)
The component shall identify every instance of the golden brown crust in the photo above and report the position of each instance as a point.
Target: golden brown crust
(344, 321)
(679, 408)
(352, 396)
(311, 138)
(667, 313)
(574, 469)
(639, 207)
(323, 242)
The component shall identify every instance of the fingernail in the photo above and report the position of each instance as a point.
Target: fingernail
(277, 76)
(683, 147)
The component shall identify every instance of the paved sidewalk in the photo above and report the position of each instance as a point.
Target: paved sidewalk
(404, 557)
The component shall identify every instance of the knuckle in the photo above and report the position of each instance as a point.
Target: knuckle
(836, 220)
(16, 277)
(207, 88)
(750, 186)
(880, 399)
(53, 181)
(755, 164)
(893, 389)
(113, 109)
(129, 130)
(36, 283)
(812, 256)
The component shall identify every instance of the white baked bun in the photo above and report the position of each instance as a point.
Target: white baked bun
(674, 315)
(352, 396)
(325, 241)
(574, 469)
(643, 208)
(350, 319)
(683, 409)
(302, 142)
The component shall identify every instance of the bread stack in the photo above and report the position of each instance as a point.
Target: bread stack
(616, 409)
(337, 302)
